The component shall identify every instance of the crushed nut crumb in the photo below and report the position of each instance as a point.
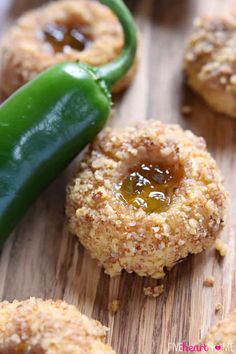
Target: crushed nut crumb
(186, 110)
(153, 291)
(114, 306)
(218, 307)
(209, 281)
(221, 247)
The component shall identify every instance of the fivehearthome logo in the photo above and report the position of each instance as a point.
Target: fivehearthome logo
(184, 347)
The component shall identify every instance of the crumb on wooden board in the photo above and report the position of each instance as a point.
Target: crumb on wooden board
(114, 306)
(154, 292)
(186, 109)
(209, 281)
(221, 247)
(218, 307)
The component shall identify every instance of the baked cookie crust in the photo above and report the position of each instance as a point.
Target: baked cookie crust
(48, 327)
(223, 335)
(210, 62)
(122, 237)
(24, 52)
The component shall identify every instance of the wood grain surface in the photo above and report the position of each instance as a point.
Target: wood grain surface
(41, 259)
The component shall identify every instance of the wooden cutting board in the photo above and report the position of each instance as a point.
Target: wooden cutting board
(42, 260)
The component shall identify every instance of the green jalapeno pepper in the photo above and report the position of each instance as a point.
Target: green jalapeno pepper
(47, 122)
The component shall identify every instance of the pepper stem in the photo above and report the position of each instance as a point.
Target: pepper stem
(115, 70)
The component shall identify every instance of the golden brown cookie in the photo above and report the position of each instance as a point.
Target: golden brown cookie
(67, 30)
(145, 197)
(222, 337)
(48, 327)
(210, 62)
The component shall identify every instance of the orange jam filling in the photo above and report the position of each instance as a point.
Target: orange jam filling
(62, 38)
(150, 187)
